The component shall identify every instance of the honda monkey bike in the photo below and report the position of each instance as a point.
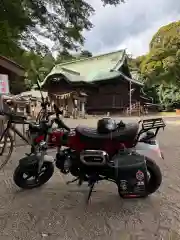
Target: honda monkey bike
(122, 156)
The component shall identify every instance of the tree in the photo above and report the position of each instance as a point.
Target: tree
(47, 63)
(169, 96)
(162, 63)
(13, 22)
(58, 20)
(85, 54)
(64, 56)
(160, 68)
(167, 37)
(135, 63)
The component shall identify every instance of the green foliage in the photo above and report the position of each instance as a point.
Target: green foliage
(169, 96)
(85, 54)
(135, 63)
(37, 65)
(167, 37)
(61, 21)
(162, 63)
(161, 66)
(40, 65)
(64, 56)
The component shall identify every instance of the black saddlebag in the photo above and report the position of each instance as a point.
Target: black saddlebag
(131, 175)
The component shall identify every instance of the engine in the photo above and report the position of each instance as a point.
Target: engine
(94, 157)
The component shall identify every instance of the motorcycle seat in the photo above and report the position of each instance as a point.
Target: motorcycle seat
(129, 132)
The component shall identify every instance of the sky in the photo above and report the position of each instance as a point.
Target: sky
(130, 25)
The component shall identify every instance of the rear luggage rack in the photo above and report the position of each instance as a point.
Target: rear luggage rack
(154, 123)
(151, 124)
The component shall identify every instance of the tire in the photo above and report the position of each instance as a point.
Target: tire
(155, 176)
(23, 183)
(5, 154)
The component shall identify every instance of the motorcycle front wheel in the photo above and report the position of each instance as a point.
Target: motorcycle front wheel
(28, 178)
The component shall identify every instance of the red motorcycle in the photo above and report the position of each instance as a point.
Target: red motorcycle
(113, 152)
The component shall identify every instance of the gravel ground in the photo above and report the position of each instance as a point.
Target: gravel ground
(57, 211)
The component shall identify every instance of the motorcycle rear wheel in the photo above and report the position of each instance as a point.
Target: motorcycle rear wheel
(23, 174)
(155, 177)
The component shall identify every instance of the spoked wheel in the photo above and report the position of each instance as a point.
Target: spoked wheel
(27, 178)
(6, 149)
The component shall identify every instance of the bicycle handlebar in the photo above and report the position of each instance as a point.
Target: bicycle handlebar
(13, 116)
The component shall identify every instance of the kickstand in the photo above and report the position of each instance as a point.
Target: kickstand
(72, 181)
(90, 192)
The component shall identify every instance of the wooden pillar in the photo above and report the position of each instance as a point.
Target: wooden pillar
(2, 120)
(83, 108)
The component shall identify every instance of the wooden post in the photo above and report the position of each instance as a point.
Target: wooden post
(2, 121)
(83, 109)
(139, 107)
(130, 98)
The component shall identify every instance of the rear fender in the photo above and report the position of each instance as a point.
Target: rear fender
(148, 150)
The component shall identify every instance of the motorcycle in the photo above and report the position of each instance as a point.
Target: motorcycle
(121, 156)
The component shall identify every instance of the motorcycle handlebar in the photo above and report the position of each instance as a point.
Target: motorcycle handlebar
(61, 124)
(59, 121)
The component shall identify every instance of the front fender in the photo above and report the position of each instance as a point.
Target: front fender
(29, 161)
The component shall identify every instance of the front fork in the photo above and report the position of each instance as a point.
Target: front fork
(40, 153)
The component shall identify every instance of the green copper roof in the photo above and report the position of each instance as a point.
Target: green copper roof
(88, 68)
(96, 68)
(105, 75)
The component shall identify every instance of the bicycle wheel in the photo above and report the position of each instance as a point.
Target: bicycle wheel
(6, 149)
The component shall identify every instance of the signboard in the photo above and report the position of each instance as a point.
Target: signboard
(4, 84)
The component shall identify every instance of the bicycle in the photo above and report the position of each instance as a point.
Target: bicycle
(6, 139)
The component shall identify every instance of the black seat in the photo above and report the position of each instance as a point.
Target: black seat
(39, 127)
(35, 128)
(127, 133)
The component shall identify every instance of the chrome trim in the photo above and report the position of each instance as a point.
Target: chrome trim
(94, 153)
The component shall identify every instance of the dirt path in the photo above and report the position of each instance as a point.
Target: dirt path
(57, 211)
